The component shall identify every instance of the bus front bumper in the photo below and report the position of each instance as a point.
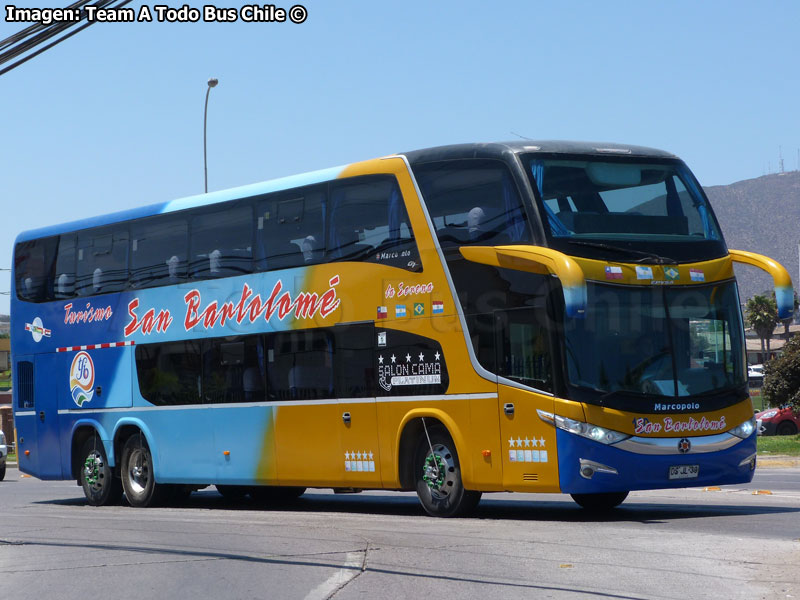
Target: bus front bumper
(587, 467)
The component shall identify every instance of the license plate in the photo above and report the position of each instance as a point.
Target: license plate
(684, 471)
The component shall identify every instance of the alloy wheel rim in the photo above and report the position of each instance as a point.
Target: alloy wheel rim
(138, 472)
(438, 471)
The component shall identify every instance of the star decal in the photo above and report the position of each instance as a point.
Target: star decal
(421, 357)
(437, 355)
(380, 358)
(394, 358)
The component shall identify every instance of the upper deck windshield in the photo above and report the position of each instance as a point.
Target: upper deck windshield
(657, 343)
(605, 207)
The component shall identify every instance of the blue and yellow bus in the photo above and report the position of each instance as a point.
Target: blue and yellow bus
(526, 316)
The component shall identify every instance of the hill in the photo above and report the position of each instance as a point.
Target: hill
(761, 215)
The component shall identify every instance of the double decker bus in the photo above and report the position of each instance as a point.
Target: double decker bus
(525, 316)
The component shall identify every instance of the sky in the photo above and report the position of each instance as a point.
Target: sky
(112, 118)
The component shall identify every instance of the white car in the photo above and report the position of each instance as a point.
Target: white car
(755, 371)
(3, 453)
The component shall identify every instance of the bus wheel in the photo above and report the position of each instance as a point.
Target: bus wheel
(438, 476)
(138, 480)
(599, 502)
(95, 476)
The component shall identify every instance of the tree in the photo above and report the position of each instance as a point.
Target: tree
(787, 322)
(782, 376)
(761, 313)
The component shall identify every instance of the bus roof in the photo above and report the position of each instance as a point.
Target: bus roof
(255, 189)
(475, 150)
(499, 149)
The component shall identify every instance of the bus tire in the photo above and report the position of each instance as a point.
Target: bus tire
(138, 479)
(95, 476)
(441, 491)
(600, 502)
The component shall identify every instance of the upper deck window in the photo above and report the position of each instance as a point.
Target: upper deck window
(473, 202)
(369, 222)
(158, 251)
(622, 201)
(102, 261)
(354, 219)
(290, 229)
(33, 262)
(221, 242)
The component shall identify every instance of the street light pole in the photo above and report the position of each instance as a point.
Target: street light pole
(211, 83)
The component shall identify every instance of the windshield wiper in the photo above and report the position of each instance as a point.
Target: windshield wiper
(646, 256)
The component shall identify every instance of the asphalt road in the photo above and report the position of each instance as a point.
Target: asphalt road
(692, 543)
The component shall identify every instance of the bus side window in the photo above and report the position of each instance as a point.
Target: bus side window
(170, 373)
(289, 229)
(102, 262)
(64, 284)
(473, 201)
(233, 370)
(221, 242)
(354, 360)
(158, 251)
(369, 222)
(301, 367)
(523, 347)
(33, 267)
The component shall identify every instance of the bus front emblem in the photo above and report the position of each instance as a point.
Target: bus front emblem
(684, 445)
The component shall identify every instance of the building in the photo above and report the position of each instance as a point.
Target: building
(5, 355)
(753, 344)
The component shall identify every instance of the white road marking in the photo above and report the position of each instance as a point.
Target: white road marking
(352, 568)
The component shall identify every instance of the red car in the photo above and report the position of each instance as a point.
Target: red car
(778, 421)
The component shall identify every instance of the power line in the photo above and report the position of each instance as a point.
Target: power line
(21, 45)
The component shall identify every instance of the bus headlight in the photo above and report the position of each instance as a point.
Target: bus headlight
(587, 430)
(745, 430)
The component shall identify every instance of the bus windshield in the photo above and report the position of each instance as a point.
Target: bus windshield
(625, 203)
(656, 342)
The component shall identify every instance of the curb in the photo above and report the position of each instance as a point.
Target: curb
(777, 461)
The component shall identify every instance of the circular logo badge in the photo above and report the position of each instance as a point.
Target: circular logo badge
(37, 331)
(684, 446)
(81, 378)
